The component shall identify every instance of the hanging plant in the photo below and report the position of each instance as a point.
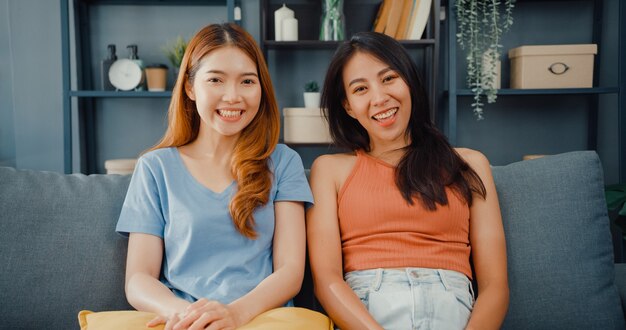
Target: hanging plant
(480, 27)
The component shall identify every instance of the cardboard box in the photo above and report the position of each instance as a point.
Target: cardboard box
(305, 125)
(555, 66)
(120, 166)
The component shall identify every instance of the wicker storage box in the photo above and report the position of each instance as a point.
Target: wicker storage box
(305, 125)
(556, 66)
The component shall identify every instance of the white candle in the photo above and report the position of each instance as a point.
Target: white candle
(290, 29)
(279, 15)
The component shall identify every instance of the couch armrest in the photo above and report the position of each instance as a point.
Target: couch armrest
(620, 282)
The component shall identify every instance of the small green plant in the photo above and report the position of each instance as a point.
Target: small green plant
(616, 204)
(311, 87)
(175, 50)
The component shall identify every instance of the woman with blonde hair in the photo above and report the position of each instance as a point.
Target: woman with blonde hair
(215, 211)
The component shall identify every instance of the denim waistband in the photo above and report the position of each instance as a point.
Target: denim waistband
(412, 275)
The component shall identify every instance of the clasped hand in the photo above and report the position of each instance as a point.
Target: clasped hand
(202, 314)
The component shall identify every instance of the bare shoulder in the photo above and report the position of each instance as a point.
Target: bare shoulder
(476, 159)
(335, 166)
(331, 162)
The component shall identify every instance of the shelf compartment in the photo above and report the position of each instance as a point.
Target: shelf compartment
(120, 94)
(317, 44)
(309, 144)
(554, 91)
(157, 2)
(359, 15)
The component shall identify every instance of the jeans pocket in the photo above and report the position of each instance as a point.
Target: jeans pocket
(360, 285)
(359, 282)
(392, 308)
(463, 295)
(363, 294)
(450, 309)
(459, 285)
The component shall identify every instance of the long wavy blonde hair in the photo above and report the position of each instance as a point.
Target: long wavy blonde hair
(249, 165)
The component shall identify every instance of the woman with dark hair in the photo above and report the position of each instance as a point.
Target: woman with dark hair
(395, 220)
(215, 211)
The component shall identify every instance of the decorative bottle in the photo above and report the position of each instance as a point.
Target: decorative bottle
(134, 57)
(105, 65)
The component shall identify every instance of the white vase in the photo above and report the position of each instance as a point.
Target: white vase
(496, 83)
(279, 15)
(311, 99)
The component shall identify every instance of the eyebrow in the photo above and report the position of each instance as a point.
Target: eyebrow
(241, 75)
(380, 73)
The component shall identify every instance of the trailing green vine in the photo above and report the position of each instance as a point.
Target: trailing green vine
(480, 27)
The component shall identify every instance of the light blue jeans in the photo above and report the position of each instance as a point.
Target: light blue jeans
(414, 298)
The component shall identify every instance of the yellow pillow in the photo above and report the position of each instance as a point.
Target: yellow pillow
(283, 318)
(288, 318)
(118, 320)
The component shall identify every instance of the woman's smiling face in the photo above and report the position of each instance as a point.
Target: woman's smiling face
(378, 98)
(227, 91)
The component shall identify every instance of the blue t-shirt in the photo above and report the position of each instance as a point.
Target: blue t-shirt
(205, 256)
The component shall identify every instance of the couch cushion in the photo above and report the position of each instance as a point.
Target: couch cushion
(560, 256)
(60, 253)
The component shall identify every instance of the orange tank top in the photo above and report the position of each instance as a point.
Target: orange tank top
(379, 229)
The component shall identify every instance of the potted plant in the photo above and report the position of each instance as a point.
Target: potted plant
(480, 28)
(174, 52)
(311, 95)
(616, 204)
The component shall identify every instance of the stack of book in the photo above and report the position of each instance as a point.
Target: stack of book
(403, 19)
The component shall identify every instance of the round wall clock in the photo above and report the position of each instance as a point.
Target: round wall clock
(125, 74)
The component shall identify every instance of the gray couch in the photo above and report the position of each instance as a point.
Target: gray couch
(60, 253)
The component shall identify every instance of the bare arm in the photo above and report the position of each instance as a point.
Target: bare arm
(488, 250)
(289, 254)
(324, 242)
(274, 291)
(144, 291)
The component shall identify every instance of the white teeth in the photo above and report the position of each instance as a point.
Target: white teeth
(386, 114)
(229, 113)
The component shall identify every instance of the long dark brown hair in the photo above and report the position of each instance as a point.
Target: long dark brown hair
(257, 141)
(429, 163)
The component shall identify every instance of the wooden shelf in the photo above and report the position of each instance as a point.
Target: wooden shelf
(555, 91)
(157, 2)
(317, 144)
(317, 44)
(121, 94)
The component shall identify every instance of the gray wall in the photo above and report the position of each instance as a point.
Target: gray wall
(31, 129)
(32, 32)
(7, 140)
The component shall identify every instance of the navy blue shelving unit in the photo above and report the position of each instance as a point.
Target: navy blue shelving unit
(560, 91)
(315, 44)
(119, 94)
(622, 94)
(86, 94)
(453, 93)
